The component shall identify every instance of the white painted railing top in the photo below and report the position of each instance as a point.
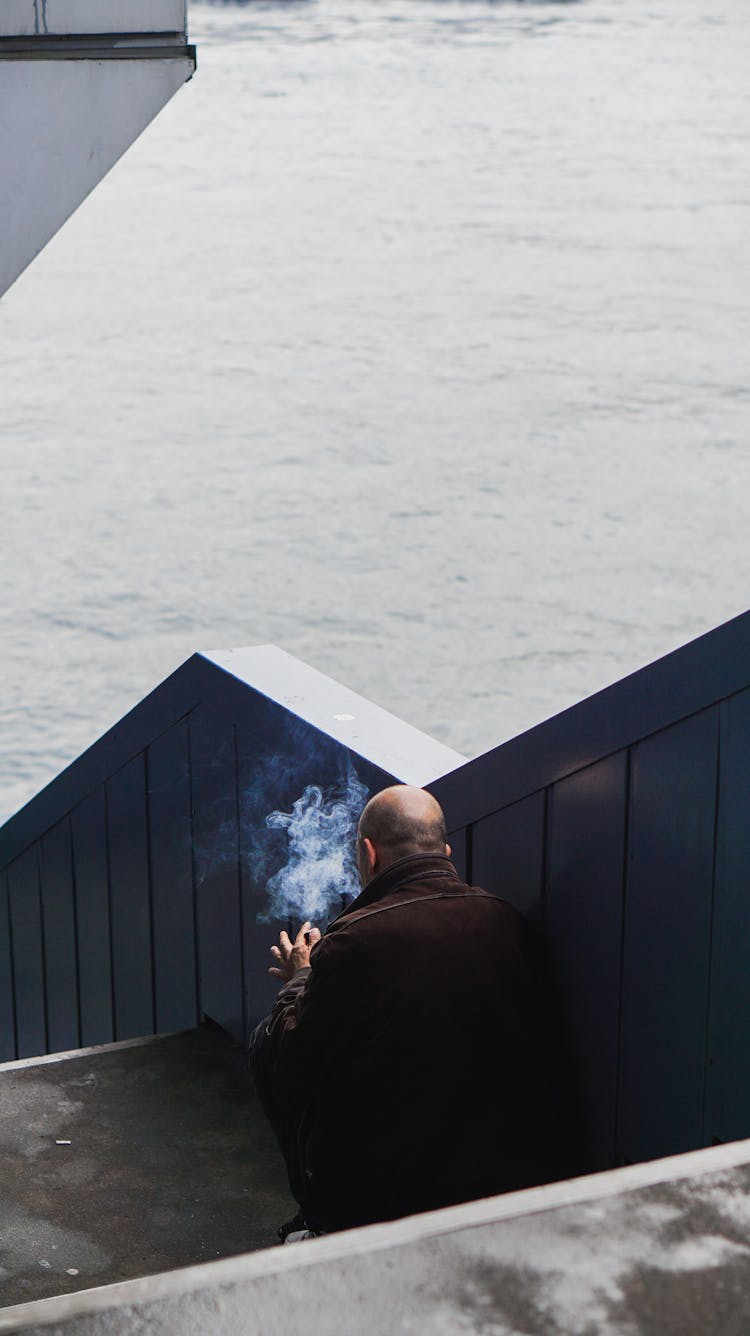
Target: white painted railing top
(29, 18)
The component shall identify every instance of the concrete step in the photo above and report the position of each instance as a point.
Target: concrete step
(131, 1159)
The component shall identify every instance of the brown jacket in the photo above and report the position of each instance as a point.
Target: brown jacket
(402, 1071)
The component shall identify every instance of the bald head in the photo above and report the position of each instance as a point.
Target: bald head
(399, 821)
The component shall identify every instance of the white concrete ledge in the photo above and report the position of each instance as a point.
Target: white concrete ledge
(397, 747)
(70, 115)
(655, 1247)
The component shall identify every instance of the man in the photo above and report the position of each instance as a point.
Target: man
(400, 1066)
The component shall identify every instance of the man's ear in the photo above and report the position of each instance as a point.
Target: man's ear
(448, 851)
(371, 856)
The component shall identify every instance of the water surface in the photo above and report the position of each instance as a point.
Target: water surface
(412, 336)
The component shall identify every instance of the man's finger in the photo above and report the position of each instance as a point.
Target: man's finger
(314, 936)
(285, 940)
(300, 938)
(279, 974)
(276, 952)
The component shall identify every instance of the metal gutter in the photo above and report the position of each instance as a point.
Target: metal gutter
(98, 46)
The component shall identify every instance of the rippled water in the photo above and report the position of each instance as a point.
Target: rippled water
(413, 336)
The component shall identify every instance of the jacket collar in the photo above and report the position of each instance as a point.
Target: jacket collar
(414, 867)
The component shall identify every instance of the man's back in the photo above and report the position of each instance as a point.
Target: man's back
(407, 1060)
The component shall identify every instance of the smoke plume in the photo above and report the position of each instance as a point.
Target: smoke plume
(320, 872)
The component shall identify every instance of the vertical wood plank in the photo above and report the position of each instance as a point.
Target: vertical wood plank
(173, 903)
(508, 855)
(587, 821)
(27, 944)
(7, 1005)
(59, 919)
(130, 903)
(666, 942)
(457, 842)
(728, 1077)
(263, 788)
(213, 772)
(89, 831)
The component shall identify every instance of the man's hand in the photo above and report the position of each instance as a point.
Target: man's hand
(293, 956)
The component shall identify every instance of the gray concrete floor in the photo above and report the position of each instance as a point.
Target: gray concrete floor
(657, 1249)
(170, 1162)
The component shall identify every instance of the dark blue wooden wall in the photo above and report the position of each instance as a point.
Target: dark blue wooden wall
(128, 904)
(622, 830)
(135, 912)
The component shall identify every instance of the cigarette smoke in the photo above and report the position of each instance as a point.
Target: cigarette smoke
(320, 872)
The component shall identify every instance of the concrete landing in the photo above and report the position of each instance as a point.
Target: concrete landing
(132, 1159)
(658, 1249)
